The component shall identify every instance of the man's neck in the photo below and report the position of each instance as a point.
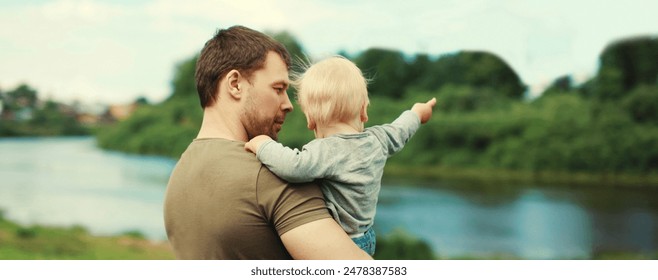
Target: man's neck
(221, 124)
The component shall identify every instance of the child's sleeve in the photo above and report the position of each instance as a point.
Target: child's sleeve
(395, 135)
(293, 165)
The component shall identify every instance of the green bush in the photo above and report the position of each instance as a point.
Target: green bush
(134, 234)
(399, 245)
(642, 104)
(26, 232)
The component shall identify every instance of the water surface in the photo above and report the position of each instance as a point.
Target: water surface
(69, 181)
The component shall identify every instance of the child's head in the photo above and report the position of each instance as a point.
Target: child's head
(333, 90)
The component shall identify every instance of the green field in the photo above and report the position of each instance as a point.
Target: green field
(19, 242)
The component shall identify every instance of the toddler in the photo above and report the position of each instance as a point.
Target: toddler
(347, 158)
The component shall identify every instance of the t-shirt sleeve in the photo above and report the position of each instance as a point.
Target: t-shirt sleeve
(288, 206)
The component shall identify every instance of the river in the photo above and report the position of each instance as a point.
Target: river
(69, 181)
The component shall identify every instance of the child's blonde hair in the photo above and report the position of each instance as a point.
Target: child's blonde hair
(332, 90)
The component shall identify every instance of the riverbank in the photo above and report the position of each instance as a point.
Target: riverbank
(18, 242)
(490, 177)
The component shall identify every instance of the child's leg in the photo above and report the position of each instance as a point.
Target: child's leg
(367, 242)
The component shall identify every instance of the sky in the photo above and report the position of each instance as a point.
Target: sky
(95, 51)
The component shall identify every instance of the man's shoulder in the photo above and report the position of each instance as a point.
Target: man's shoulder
(217, 161)
(221, 151)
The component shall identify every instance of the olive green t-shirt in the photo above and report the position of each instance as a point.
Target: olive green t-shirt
(222, 203)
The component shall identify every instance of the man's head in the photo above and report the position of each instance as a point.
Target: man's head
(242, 78)
(265, 97)
(236, 48)
(333, 90)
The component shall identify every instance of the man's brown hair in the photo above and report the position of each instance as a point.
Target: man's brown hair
(236, 48)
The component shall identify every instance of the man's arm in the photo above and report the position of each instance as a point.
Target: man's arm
(321, 240)
(300, 216)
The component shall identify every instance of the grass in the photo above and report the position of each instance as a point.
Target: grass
(19, 242)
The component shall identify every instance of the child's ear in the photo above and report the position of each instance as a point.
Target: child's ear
(364, 112)
(310, 123)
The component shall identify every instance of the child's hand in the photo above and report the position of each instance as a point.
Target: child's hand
(424, 110)
(255, 143)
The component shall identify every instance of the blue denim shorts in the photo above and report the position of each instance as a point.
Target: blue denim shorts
(367, 241)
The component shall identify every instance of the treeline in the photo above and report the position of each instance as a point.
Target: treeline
(483, 118)
(22, 113)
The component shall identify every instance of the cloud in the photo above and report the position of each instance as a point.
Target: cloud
(81, 50)
(81, 11)
(114, 51)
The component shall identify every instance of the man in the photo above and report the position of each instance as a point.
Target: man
(221, 203)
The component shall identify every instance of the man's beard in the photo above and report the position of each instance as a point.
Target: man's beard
(255, 126)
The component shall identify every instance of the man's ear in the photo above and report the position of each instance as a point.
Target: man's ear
(310, 123)
(364, 112)
(233, 80)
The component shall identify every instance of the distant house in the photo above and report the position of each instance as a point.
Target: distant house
(5, 114)
(120, 112)
(67, 110)
(88, 119)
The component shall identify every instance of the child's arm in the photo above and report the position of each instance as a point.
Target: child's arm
(395, 135)
(291, 165)
(254, 144)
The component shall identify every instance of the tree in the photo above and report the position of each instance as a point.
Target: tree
(561, 84)
(476, 69)
(387, 70)
(642, 104)
(417, 69)
(297, 55)
(183, 84)
(294, 47)
(626, 64)
(23, 96)
(142, 100)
